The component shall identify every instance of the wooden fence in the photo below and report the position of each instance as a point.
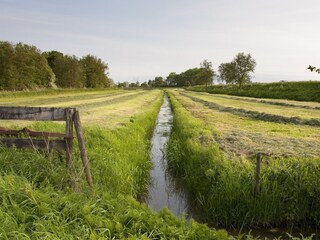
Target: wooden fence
(44, 140)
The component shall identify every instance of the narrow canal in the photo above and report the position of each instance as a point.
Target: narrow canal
(163, 190)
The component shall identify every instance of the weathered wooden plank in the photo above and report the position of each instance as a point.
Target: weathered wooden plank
(82, 147)
(33, 113)
(11, 132)
(69, 147)
(34, 143)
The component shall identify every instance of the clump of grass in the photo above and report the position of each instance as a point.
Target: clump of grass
(30, 213)
(222, 189)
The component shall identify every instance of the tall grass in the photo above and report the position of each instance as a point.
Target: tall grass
(30, 213)
(222, 189)
(37, 202)
(300, 91)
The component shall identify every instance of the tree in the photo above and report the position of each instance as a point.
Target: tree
(144, 84)
(244, 65)
(22, 67)
(134, 85)
(95, 70)
(68, 70)
(227, 72)
(158, 82)
(171, 79)
(208, 73)
(8, 72)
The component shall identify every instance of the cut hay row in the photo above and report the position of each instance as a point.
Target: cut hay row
(264, 113)
(262, 107)
(245, 136)
(280, 102)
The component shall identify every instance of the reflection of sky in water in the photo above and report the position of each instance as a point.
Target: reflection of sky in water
(163, 192)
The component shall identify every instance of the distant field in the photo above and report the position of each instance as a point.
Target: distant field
(300, 91)
(107, 109)
(246, 136)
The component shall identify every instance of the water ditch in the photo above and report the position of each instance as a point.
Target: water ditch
(164, 191)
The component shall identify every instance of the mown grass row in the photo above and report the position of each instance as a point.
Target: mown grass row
(278, 102)
(257, 115)
(244, 137)
(54, 97)
(300, 91)
(222, 189)
(256, 104)
(37, 202)
(54, 92)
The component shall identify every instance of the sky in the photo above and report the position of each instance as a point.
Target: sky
(142, 39)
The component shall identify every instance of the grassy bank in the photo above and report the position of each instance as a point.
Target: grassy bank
(245, 136)
(37, 202)
(300, 91)
(221, 186)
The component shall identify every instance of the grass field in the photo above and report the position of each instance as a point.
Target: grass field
(36, 199)
(262, 107)
(245, 136)
(213, 152)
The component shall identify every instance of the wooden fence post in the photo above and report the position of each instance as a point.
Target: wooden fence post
(258, 168)
(69, 144)
(69, 115)
(83, 152)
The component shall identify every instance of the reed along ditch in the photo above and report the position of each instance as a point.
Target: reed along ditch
(164, 190)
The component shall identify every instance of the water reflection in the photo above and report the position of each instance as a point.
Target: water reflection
(163, 191)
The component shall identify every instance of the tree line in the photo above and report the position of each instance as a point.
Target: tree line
(24, 66)
(238, 71)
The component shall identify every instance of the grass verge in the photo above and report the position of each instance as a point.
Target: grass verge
(222, 189)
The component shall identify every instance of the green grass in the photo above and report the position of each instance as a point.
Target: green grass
(222, 188)
(30, 213)
(279, 102)
(260, 111)
(106, 109)
(35, 195)
(300, 91)
(244, 136)
(258, 106)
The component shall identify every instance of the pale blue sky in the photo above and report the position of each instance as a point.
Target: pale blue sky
(142, 39)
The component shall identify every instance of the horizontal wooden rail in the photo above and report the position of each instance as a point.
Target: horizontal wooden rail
(34, 143)
(28, 132)
(33, 113)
